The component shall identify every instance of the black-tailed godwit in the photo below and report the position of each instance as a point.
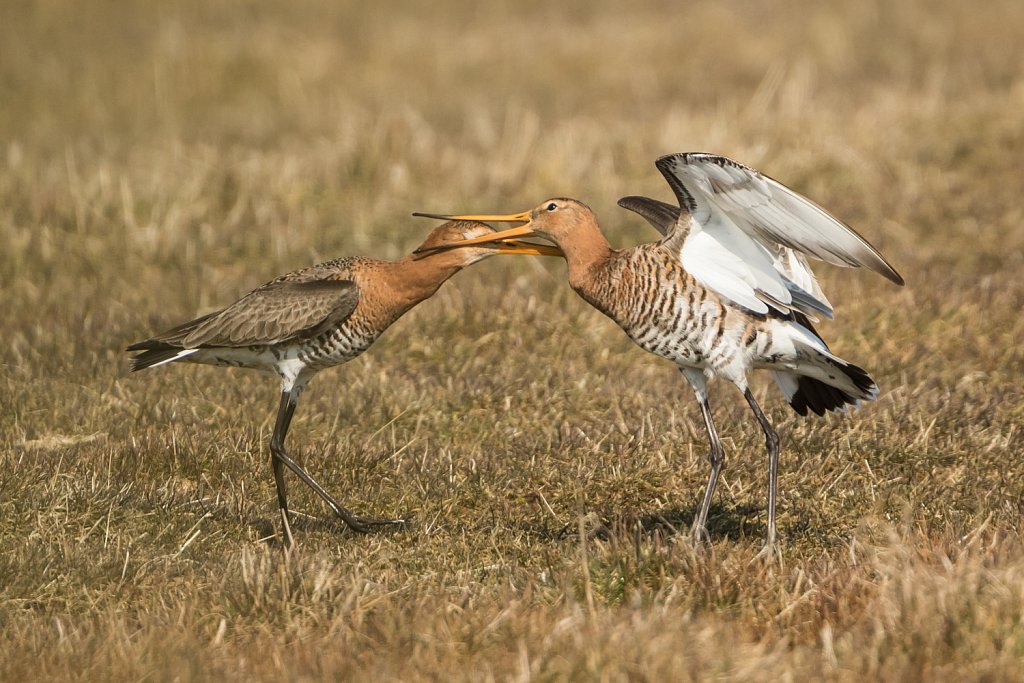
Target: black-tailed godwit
(726, 291)
(316, 318)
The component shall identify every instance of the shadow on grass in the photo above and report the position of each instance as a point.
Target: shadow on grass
(270, 532)
(724, 523)
(733, 523)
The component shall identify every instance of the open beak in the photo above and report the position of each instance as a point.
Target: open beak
(519, 247)
(507, 244)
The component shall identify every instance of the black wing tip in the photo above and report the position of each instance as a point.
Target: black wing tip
(666, 166)
(624, 202)
(894, 277)
(661, 215)
(669, 164)
(151, 344)
(665, 161)
(634, 202)
(687, 157)
(879, 264)
(666, 158)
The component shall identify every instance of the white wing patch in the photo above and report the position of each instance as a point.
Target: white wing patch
(720, 256)
(747, 234)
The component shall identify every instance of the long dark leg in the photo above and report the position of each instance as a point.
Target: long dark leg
(716, 454)
(284, 419)
(771, 440)
(280, 458)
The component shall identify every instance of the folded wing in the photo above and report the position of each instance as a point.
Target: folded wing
(277, 312)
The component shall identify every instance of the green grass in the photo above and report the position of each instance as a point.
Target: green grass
(159, 159)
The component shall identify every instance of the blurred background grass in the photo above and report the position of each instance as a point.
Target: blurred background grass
(159, 159)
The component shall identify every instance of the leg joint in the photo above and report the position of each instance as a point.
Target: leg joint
(277, 450)
(716, 455)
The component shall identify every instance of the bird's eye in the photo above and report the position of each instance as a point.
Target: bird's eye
(552, 206)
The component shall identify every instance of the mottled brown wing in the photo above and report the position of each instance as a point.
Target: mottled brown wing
(278, 312)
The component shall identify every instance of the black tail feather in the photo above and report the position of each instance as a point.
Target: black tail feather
(818, 397)
(151, 356)
(165, 345)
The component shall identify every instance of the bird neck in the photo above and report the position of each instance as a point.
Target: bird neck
(415, 279)
(587, 252)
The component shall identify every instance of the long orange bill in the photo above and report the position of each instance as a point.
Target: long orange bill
(523, 217)
(509, 245)
(520, 247)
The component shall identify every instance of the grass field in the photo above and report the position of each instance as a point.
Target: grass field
(159, 159)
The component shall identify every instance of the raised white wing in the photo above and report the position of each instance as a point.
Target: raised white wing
(746, 234)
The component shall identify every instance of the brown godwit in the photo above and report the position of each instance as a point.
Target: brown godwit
(315, 318)
(726, 291)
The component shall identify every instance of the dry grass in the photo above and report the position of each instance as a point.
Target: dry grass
(158, 159)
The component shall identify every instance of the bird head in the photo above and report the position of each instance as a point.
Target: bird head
(558, 220)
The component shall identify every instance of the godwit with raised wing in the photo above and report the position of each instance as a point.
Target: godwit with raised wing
(726, 291)
(316, 318)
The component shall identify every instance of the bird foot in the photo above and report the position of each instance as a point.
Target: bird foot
(700, 536)
(770, 553)
(365, 525)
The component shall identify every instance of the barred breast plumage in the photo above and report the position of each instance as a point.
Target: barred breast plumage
(667, 312)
